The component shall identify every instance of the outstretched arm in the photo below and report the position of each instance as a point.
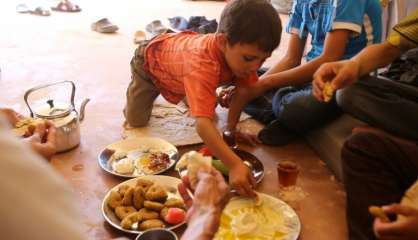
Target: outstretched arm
(334, 48)
(344, 73)
(240, 177)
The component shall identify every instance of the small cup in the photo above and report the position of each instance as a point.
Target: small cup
(157, 234)
(288, 173)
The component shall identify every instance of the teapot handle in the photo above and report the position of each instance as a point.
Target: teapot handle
(28, 92)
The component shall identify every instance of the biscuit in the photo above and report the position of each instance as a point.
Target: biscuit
(327, 92)
(379, 213)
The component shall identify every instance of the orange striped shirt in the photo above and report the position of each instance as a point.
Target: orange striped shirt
(190, 65)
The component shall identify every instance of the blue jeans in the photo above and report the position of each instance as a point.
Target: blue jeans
(383, 103)
(294, 108)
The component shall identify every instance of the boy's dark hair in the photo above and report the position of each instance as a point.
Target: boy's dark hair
(251, 21)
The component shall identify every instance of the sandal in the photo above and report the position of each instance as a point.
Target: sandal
(22, 8)
(66, 6)
(40, 11)
(139, 36)
(104, 26)
(156, 28)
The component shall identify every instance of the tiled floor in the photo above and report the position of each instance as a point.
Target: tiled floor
(36, 50)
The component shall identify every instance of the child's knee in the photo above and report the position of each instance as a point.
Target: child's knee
(134, 118)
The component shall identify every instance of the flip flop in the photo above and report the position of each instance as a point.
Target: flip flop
(66, 6)
(139, 36)
(40, 11)
(104, 26)
(155, 28)
(22, 8)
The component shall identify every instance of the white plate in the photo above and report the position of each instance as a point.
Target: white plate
(169, 183)
(257, 221)
(135, 146)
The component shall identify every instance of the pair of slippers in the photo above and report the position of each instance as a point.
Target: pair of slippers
(62, 6)
(153, 29)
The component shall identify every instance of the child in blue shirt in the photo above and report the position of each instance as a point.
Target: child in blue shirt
(339, 29)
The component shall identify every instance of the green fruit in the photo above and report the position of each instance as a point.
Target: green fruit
(216, 163)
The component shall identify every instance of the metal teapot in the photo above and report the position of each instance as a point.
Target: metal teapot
(64, 115)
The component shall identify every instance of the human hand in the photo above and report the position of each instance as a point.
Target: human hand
(11, 115)
(242, 180)
(401, 229)
(225, 96)
(249, 138)
(210, 197)
(340, 74)
(43, 139)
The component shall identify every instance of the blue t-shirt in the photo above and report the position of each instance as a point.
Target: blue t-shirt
(317, 17)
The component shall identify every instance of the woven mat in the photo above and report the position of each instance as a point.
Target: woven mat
(173, 123)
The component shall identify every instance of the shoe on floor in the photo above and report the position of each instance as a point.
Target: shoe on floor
(36, 10)
(139, 37)
(275, 134)
(156, 28)
(22, 8)
(104, 26)
(66, 6)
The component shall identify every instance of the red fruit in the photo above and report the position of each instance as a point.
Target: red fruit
(205, 151)
(175, 216)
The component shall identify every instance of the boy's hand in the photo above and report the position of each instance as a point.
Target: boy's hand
(401, 228)
(11, 115)
(43, 139)
(241, 179)
(341, 74)
(225, 96)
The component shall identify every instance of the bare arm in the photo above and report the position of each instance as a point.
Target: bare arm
(209, 134)
(344, 73)
(292, 58)
(334, 48)
(375, 56)
(240, 177)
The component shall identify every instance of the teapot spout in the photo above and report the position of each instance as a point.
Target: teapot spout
(82, 108)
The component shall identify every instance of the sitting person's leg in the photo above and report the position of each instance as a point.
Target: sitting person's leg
(297, 112)
(383, 103)
(141, 92)
(377, 171)
(260, 108)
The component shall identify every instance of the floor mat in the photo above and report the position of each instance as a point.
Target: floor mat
(172, 123)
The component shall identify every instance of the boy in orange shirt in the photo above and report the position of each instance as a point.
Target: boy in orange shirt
(186, 64)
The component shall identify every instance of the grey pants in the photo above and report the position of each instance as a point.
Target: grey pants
(141, 92)
(383, 103)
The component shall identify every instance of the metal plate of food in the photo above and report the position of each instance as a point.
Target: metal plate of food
(139, 156)
(121, 208)
(256, 166)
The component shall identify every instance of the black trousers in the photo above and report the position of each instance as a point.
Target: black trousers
(377, 171)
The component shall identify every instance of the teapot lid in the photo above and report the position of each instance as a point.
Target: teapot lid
(52, 110)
